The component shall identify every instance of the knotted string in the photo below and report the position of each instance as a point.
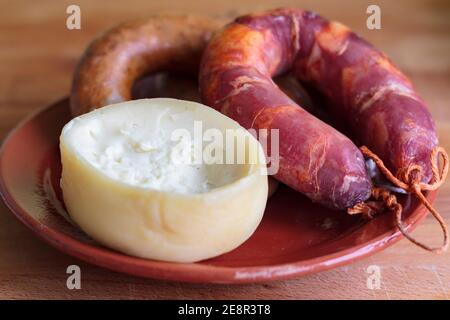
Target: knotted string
(409, 179)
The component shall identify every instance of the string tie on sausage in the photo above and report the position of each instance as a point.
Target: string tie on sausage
(409, 179)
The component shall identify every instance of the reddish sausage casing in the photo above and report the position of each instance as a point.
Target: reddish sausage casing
(235, 78)
(367, 93)
(375, 102)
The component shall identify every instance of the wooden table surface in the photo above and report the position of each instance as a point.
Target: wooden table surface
(37, 58)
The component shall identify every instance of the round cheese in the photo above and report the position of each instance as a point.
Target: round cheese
(163, 179)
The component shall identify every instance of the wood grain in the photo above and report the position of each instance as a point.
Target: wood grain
(38, 55)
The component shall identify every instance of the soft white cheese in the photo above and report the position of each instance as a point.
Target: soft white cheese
(122, 186)
(137, 154)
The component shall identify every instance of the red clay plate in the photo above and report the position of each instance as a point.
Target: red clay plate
(296, 237)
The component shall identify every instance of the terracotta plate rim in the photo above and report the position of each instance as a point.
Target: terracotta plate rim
(191, 272)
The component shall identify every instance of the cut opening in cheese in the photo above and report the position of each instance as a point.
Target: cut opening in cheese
(153, 149)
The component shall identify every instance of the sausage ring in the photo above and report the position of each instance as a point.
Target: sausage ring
(115, 60)
(236, 78)
(365, 91)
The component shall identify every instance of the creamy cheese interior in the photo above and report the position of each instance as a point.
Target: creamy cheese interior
(141, 148)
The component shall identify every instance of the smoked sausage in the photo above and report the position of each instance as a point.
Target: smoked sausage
(236, 78)
(367, 95)
(114, 61)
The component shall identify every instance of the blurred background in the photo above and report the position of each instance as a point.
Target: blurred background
(38, 55)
